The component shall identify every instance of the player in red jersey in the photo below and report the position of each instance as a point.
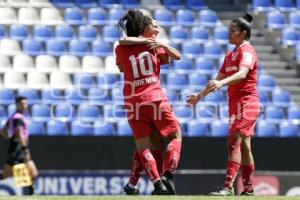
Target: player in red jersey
(145, 102)
(239, 72)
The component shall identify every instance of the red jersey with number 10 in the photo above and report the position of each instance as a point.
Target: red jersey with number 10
(141, 69)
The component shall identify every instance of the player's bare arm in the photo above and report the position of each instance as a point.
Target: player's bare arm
(133, 40)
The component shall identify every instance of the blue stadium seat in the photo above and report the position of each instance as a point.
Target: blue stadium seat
(266, 129)
(78, 48)
(87, 33)
(297, 52)
(63, 3)
(212, 50)
(51, 96)
(208, 18)
(294, 113)
(224, 112)
(84, 80)
(108, 3)
(206, 112)
(117, 95)
(266, 82)
(55, 47)
(2, 32)
(32, 47)
(221, 34)
(178, 34)
(262, 5)
(79, 128)
(289, 37)
(185, 18)
(130, 4)
(115, 112)
(11, 109)
(219, 129)
(107, 79)
(171, 94)
(204, 64)
(197, 80)
(97, 16)
(64, 112)
(216, 97)
(183, 113)
(31, 95)
(288, 129)
(103, 128)
(294, 19)
(57, 128)
(89, 113)
(172, 4)
(42, 33)
(102, 48)
(298, 4)
(123, 128)
(281, 98)
(115, 14)
(273, 113)
(164, 17)
(86, 3)
(18, 32)
(284, 5)
(74, 16)
(275, 20)
(41, 112)
(98, 95)
(183, 64)
(196, 4)
(36, 128)
(3, 113)
(263, 97)
(199, 34)
(7, 96)
(64, 33)
(111, 33)
(74, 95)
(190, 50)
(198, 129)
(178, 81)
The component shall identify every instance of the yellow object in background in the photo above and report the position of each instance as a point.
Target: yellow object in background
(21, 175)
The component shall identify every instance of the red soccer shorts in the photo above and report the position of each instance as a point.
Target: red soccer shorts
(159, 114)
(243, 114)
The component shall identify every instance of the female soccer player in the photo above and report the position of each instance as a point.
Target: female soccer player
(239, 72)
(145, 102)
(18, 151)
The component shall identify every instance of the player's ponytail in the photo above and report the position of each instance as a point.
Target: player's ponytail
(133, 23)
(244, 23)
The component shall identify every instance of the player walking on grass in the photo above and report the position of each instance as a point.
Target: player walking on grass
(18, 151)
(145, 102)
(239, 72)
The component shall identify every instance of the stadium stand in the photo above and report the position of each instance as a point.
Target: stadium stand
(61, 52)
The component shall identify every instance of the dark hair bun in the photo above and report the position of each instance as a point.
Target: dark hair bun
(248, 17)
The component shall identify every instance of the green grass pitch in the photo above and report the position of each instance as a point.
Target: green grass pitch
(146, 198)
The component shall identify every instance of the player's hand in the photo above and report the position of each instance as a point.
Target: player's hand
(153, 44)
(193, 99)
(214, 85)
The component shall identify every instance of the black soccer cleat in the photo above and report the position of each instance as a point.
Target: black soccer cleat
(131, 191)
(167, 179)
(222, 191)
(248, 193)
(160, 189)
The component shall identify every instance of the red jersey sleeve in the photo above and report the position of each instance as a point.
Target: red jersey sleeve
(160, 51)
(118, 52)
(247, 59)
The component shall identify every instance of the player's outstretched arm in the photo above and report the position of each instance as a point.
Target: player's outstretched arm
(170, 51)
(133, 40)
